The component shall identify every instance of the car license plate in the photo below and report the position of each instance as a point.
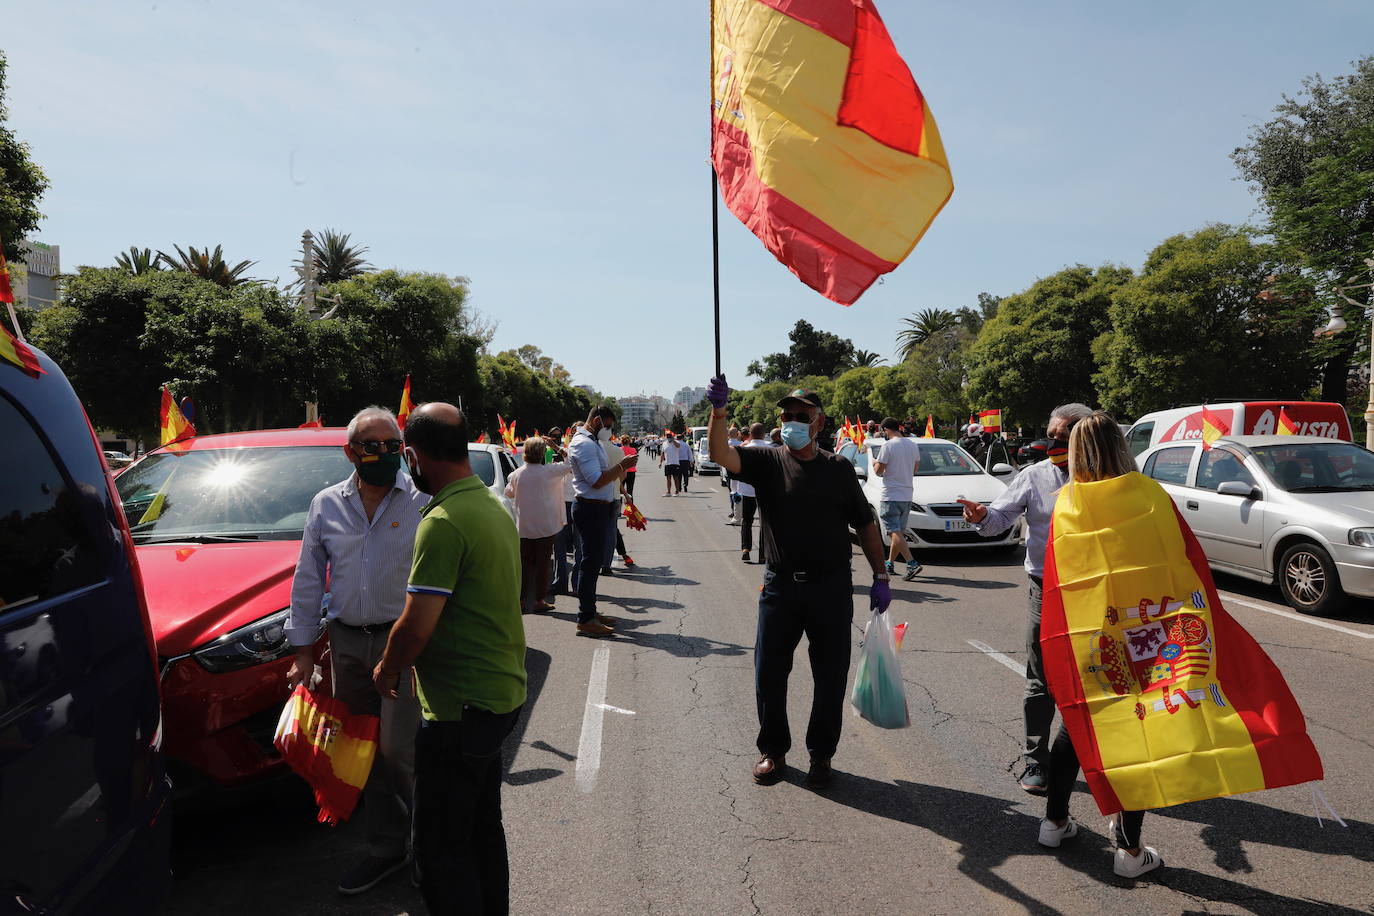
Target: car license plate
(957, 524)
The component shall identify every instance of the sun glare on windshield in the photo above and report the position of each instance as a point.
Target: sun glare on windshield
(225, 474)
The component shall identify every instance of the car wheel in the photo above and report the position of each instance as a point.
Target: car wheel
(1308, 580)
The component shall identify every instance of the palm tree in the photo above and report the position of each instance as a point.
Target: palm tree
(336, 260)
(208, 265)
(924, 325)
(138, 260)
(865, 359)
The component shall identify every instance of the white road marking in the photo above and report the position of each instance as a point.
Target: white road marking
(589, 745)
(609, 708)
(996, 656)
(1278, 612)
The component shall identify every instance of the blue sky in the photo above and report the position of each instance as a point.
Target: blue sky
(555, 153)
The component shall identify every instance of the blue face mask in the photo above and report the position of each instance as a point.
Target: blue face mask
(796, 435)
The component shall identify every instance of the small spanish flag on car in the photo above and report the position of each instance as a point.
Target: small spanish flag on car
(1213, 428)
(991, 420)
(172, 421)
(1286, 425)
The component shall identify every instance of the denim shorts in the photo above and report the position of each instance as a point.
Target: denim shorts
(895, 515)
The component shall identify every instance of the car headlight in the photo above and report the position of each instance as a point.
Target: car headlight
(261, 641)
(1362, 537)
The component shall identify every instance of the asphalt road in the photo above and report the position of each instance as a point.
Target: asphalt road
(660, 816)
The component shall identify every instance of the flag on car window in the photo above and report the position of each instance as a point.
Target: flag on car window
(407, 405)
(824, 146)
(6, 291)
(14, 350)
(329, 747)
(930, 426)
(1167, 698)
(1213, 428)
(171, 421)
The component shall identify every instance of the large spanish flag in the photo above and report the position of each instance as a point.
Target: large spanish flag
(823, 143)
(329, 747)
(1167, 698)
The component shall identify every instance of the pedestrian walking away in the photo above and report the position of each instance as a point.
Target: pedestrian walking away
(595, 481)
(536, 489)
(1031, 495)
(462, 631)
(809, 499)
(358, 537)
(672, 467)
(748, 503)
(896, 464)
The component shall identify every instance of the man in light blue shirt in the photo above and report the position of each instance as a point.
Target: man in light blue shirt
(595, 483)
(359, 537)
(1032, 494)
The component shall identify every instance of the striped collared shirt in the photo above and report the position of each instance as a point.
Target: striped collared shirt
(589, 462)
(367, 563)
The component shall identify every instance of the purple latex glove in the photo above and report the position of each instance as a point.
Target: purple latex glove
(717, 392)
(879, 596)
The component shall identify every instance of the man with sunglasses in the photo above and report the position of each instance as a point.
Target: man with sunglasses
(808, 499)
(359, 537)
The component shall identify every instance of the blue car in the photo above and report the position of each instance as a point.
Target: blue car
(84, 797)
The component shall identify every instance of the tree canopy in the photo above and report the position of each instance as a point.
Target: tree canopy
(22, 183)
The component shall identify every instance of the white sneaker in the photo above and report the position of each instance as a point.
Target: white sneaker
(1052, 836)
(1129, 866)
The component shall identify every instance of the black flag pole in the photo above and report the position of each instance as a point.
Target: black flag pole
(715, 259)
(710, 144)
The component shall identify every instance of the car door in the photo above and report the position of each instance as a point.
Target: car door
(1172, 468)
(1229, 528)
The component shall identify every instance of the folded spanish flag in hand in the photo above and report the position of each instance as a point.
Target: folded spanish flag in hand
(329, 747)
(1167, 698)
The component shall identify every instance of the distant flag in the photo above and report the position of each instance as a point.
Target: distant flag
(317, 423)
(859, 437)
(991, 420)
(1213, 428)
(481, 439)
(172, 421)
(407, 405)
(16, 351)
(930, 426)
(6, 291)
(823, 144)
(1286, 425)
(507, 432)
(972, 419)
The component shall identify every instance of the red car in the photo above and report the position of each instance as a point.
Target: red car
(216, 522)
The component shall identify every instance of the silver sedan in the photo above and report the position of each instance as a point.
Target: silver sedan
(1296, 511)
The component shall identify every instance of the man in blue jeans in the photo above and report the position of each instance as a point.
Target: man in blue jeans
(808, 499)
(595, 482)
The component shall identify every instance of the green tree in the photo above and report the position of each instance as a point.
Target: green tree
(336, 259)
(854, 393)
(678, 423)
(812, 352)
(1313, 167)
(22, 183)
(923, 325)
(207, 264)
(865, 359)
(1037, 352)
(936, 374)
(534, 400)
(1201, 322)
(974, 318)
(138, 260)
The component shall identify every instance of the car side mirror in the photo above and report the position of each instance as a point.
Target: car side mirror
(1238, 488)
(1001, 469)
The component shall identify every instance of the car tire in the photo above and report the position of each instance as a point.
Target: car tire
(1307, 579)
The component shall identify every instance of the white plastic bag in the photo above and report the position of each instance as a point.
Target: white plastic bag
(879, 694)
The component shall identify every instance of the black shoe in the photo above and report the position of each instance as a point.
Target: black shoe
(745, 556)
(820, 774)
(368, 873)
(1033, 779)
(607, 571)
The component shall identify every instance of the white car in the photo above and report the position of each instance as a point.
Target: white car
(946, 472)
(494, 465)
(1296, 511)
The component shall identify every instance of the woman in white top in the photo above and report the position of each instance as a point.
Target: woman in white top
(536, 488)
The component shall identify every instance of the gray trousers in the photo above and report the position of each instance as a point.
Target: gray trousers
(388, 797)
(1038, 705)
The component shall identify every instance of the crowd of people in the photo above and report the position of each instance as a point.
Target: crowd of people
(423, 579)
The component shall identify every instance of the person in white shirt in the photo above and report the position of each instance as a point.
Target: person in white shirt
(896, 465)
(537, 491)
(728, 482)
(748, 503)
(672, 469)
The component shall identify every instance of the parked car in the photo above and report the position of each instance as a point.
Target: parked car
(117, 460)
(217, 523)
(946, 472)
(1239, 418)
(1297, 511)
(83, 790)
(701, 448)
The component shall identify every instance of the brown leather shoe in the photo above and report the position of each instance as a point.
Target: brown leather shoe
(605, 621)
(820, 774)
(594, 628)
(769, 769)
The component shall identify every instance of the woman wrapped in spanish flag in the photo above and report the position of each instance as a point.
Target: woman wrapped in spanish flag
(1165, 698)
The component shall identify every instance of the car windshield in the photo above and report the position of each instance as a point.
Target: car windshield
(1317, 467)
(227, 494)
(940, 459)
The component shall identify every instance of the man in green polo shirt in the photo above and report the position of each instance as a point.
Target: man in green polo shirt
(462, 631)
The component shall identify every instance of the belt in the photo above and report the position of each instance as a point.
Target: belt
(368, 628)
(805, 575)
(599, 502)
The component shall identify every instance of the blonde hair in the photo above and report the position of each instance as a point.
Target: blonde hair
(1097, 450)
(534, 450)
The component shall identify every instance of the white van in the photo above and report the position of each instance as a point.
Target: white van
(1240, 418)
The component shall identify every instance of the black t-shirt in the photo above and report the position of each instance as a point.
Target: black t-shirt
(806, 507)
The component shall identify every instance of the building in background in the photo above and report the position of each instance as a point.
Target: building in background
(687, 398)
(37, 284)
(641, 413)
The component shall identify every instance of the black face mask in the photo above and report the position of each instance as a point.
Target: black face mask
(420, 483)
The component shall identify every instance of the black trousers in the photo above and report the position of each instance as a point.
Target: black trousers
(593, 523)
(1063, 773)
(822, 609)
(746, 523)
(460, 842)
